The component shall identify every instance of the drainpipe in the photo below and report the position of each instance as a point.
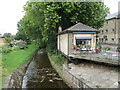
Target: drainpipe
(115, 31)
(59, 42)
(68, 44)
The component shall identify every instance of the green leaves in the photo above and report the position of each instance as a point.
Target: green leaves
(42, 19)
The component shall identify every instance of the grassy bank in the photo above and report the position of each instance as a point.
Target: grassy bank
(57, 61)
(11, 61)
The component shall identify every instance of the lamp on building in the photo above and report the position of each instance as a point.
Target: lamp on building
(94, 35)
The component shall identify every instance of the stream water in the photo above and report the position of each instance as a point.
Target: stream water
(40, 74)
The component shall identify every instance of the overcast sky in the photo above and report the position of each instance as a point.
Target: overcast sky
(11, 13)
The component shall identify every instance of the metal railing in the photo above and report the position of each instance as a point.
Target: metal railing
(74, 81)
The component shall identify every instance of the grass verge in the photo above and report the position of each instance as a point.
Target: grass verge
(11, 61)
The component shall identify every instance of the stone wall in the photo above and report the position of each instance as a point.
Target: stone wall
(16, 78)
(109, 32)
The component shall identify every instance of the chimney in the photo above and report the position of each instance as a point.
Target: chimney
(59, 29)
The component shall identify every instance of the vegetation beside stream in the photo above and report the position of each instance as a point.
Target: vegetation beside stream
(14, 59)
(57, 61)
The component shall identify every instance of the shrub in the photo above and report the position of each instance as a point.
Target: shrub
(97, 47)
(6, 49)
(107, 48)
(15, 47)
(21, 44)
(118, 49)
(80, 46)
(88, 46)
(58, 59)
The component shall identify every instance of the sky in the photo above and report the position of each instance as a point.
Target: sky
(11, 13)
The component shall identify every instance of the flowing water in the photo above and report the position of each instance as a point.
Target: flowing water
(40, 74)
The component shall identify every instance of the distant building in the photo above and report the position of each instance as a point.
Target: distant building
(110, 32)
(78, 34)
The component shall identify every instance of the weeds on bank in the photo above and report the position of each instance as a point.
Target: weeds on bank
(58, 58)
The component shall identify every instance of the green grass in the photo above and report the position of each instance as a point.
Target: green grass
(16, 58)
(58, 59)
(11, 61)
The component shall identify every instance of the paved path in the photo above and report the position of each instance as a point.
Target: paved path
(95, 75)
(110, 57)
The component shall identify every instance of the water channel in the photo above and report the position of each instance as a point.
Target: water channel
(40, 74)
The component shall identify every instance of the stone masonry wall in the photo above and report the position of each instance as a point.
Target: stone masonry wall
(16, 78)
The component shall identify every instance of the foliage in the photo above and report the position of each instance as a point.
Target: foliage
(118, 49)
(21, 44)
(106, 48)
(58, 59)
(81, 46)
(98, 46)
(7, 35)
(8, 39)
(88, 46)
(42, 19)
(6, 49)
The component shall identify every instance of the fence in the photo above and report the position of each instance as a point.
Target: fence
(74, 81)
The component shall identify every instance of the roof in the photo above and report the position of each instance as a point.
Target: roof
(79, 27)
(114, 15)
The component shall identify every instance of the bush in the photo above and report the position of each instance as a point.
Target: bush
(107, 48)
(81, 46)
(118, 49)
(15, 47)
(6, 49)
(88, 46)
(98, 46)
(58, 59)
(21, 44)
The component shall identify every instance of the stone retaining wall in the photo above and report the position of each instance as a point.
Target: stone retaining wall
(59, 70)
(16, 78)
(73, 80)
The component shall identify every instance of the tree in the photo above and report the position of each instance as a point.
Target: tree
(42, 19)
(7, 35)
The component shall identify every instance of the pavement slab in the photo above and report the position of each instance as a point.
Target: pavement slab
(96, 75)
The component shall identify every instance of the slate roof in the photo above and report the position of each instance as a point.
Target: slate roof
(114, 15)
(79, 27)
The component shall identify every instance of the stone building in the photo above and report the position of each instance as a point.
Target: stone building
(110, 32)
(78, 34)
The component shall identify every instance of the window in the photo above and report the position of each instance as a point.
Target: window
(119, 39)
(102, 39)
(106, 22)
(113, 39)
(102, 31)
(106, 39)
(113, 30)
(104, 36)
(106, 30)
